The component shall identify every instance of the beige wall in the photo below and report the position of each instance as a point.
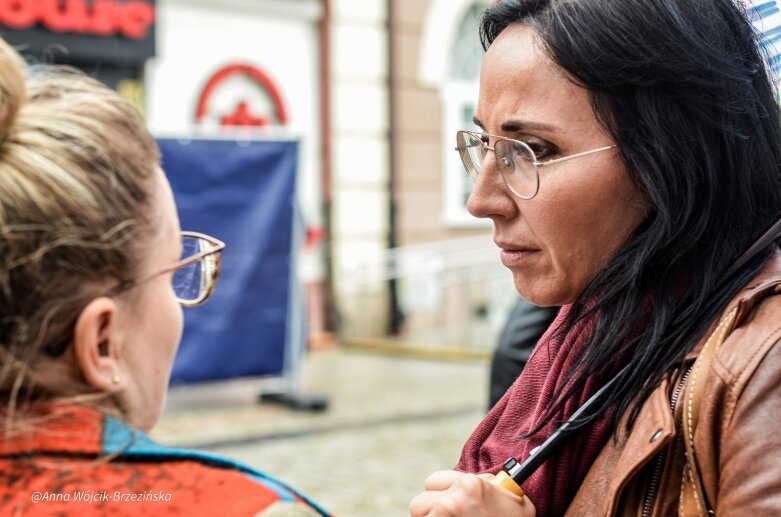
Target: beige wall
(418, 138)
(361, 144)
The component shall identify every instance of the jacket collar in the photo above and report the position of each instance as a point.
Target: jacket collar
(767, 280)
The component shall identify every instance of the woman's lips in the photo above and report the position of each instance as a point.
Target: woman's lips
(516, 257)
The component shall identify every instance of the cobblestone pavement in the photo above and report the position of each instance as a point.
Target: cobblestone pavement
(391, 421)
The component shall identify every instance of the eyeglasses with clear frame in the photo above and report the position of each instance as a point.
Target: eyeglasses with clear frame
(195, 274)
(515, 160)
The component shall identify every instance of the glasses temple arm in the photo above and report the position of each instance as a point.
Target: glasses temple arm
(576, 155)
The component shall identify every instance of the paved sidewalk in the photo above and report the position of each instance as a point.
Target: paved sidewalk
(391, 421)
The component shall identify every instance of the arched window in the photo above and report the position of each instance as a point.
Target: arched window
(466, 53)
(459, 97)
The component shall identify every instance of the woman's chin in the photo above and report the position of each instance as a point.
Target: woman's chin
(538, 293)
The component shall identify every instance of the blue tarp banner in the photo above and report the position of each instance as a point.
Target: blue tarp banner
(243, 194)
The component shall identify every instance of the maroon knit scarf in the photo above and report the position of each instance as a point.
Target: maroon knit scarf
(552, 486)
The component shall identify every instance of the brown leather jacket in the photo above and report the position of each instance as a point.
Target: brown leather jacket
(737, 441)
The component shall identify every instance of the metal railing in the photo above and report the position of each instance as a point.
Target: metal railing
(454, 295)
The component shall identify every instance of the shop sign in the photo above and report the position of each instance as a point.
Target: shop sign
(242, 114)
(82, 31)
(131, 19)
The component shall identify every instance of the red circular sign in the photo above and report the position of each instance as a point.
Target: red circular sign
(242, 115)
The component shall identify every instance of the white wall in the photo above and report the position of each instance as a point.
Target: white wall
(195, 38)
(360, 129)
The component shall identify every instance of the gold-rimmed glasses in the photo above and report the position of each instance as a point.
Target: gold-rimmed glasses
(195, 274)
(516, 161)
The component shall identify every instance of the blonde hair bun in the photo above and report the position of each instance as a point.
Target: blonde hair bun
(12, 89)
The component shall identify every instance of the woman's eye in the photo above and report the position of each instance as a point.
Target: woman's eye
(541, 151)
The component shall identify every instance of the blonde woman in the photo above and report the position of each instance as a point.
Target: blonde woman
(93, 273)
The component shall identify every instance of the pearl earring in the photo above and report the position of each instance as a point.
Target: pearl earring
(115, 379)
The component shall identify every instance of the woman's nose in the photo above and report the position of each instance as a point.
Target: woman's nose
(490, 196)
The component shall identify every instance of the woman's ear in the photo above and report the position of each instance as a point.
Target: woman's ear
(95, 344)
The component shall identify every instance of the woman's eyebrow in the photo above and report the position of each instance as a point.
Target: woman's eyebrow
(515, 126)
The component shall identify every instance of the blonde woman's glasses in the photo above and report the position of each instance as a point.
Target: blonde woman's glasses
(195, 273)
(516, 161)
(195, 276)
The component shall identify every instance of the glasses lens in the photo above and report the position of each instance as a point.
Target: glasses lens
(194, 282)
(472, 152)
(516, 162)
(189, 280)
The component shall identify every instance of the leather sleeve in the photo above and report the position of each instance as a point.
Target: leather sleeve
(750, 452)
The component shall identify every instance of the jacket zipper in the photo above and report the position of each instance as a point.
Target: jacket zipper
(656, 475)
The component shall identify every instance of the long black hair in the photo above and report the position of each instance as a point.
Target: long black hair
(682, 87)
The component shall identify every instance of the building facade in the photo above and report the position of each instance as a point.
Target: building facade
(373, 89)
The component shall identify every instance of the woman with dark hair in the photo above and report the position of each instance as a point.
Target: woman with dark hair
(629, 157)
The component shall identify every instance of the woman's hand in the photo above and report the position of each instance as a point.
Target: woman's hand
(456, 494)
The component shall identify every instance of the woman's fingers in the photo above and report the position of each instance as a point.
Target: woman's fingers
(454, 494)
(444, 479)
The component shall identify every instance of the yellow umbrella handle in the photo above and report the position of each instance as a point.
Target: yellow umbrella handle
(503, 480)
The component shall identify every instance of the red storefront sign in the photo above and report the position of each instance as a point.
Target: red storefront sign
(131, 19)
